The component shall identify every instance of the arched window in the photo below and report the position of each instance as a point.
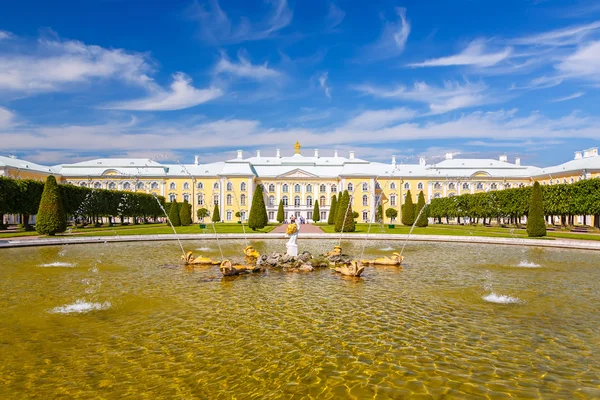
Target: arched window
(365, 200)
(406, 186)
(420, 186)
(200, 199)
(465, 186)
(451, 186)
(172, 186)
(229, 215)
(216, 185)
(97, 185)
(284, 188)
(243, 215)
(216, 199)
(243, 199)
(297, 188)
(186, 197)
(228, 200)
(521, 185)
(271, 200)
(333, 188)
(572, 180)
(83, 184)
(350, 187)
(154, 186)
(479, 186)
(271, 188)
(393, 200)
(112, 185)
(285, 200)
(365, 215)
(451, 195)
(309, 188)
(393, 186)
(199, 185)
(551, 181)
(172, 197)
(365, 187)
(243, 186)
(140, 186)
(229, 186)
(437, 186)
(437, 196)
(297, 200)
(494, 186)
(127, 186)
(507, 185)
(322, 201)
(322, 188)
(186, 186)
(309, 201)
(565, 181)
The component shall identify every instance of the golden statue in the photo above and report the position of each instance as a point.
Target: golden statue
(189, 259)
(337, 251)
(395, 259)
(355, 268)
(228, 269)
(297, 147)
(251, 255)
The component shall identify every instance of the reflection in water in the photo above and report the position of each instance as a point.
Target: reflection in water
(142, 326)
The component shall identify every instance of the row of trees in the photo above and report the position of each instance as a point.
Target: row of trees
(23, 197)
(412, 211)
(565, 201)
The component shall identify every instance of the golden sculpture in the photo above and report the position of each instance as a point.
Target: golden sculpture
(228, 269)
(251, 255)
(355, 268)
(337, 251)
(395, 259)
(297, 147)
(189, 259)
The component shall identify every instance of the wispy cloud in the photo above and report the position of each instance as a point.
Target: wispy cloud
(181, 95)
(541, 82)
(570, 97)
(6, 35)
(335, 16)
(6, 118)
(392, 40)
(217, 28)
(375, 119)
(324, 85)
(451, 96)
(583, 63)
(560, 37)
(475, 54)
(244, 69)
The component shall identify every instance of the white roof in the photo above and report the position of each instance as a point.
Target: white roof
(588, 163)
(25, 165)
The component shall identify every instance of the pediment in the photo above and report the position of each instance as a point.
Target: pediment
(297, 173)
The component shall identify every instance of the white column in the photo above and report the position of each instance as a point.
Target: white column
(445, 189)
(430, 190)
(249, 196)
(222, 199)
(458, 188)
(373, 196)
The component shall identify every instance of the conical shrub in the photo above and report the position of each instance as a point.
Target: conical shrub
(408, 210)
(536, 226)
(216, 216)
(51, 217)
(280, 213)
(258, 218)
(422, 221)
(174, 214)
(332, 211)
(185, 214)
(316, 213)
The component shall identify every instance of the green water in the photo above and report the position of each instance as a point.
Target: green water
(123, 321)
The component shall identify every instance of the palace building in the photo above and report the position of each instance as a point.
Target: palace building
(302, 179)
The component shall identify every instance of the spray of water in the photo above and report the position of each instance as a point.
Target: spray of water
(411, 229)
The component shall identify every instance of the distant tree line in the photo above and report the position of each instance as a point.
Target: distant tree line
(565, 201)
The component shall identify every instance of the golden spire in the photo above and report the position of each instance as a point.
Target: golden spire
(297, 147)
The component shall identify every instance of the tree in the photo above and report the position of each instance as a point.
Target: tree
(51, 218)
(422, 221)
(391, 213)
(28, 199)
(408, 211)
(216, 217)
(536, 226)
(185, 214)
(258, 218)
(344, 218)
(332, 210)
(202, 213)
(316, 213)
(379, 213)
(280, 212)
(174, 214)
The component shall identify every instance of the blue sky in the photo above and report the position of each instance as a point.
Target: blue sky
(171, 79)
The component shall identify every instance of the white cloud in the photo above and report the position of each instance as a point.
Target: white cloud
(245, 69)
(583, 63)
(323, 83)
(180, 96)
(217, 28)
(380, 118)
(569, 97)
(6, 118)
(560, 37)
(451, 96)
(58, 65)
(6, 35)
(335, 17)
(392, 41)
(475, 54)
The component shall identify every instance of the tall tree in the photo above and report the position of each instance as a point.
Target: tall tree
(174, 214)
(51, 218)
(185, 214)
(280, 212)
(408, 210)
(379, 213)
(536, 226)
(316, 213)
(422, 221)
(28, 199)
(344, 219)
(332, 211)
(216, 216)
(258, 218)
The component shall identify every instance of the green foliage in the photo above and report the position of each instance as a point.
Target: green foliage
(344, 218)
(216, 216)
(408, 210)
(355, 215)
(174, 214)
(258, 218)
(379, 213)
(536, 226)
(51, 217)
(422, 220)
(280, 212)
(332, 211)
(316, 212)
(202, 213)
(391, 213)
(185, 213)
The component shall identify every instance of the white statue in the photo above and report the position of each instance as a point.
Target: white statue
(292, 230)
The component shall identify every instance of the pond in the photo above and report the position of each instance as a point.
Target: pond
(458, 320)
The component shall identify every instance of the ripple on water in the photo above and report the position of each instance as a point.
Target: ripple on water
(389, 248)
(527, 264)
(80, 306)
(203, 249)
(58, 264)
(500, 298)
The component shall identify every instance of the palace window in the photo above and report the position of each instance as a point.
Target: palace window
(271, 215)
(393, 200)
(309, 188)
(479, 186)
(112, 185)
(172, 186)
(243, 215)
(284, 188)
(271, 188)
(420, 186)
(323, 215)
(127, 186)
(365, 200)
(393, 186)
(229, 186)
(216, 185)
(199, 185)
(216, 199)
(365, 187)
(243, 200)
(172, 197)
(494, 186)
(186, 197)
(333, 188)
(309, 201)
(243, 186)
(285, 200)
(297, 188)
(141, 186)
(154, 186)
(186, 186)
(407, 186)
(97, 185)
(451, 195)
(365, 215)
(350, 187)
(377, 185)
(451, 186)
(200, 199)
(437, 186)
(437, 196)
(565, 181)
(507, 185)
(229, 215)
(465, 186)
(572, 180)
(82, 184)
(521, 185)
(297, 200)
(322, 201)
(228, 200)
(271, 200)
(322, 188)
